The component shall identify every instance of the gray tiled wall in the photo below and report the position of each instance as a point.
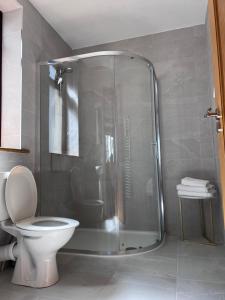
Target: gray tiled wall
(181, 62)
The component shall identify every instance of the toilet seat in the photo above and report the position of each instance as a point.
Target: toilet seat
(21, 202)
(21, 194)
(46, 224)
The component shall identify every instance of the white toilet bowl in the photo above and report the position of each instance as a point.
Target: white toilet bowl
(38, 238)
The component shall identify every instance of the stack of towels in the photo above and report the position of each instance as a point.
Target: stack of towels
(196, 188)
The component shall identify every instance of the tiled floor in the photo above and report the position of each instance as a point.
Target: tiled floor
(177, 271)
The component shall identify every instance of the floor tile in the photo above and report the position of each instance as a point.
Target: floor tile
(168, 283)
(192, 287)
(81, 284)
(195, 249)
(5, 283)
(200, 268)
(131, 291)
(12, 295)
(23, 295)
(81, 263)
(200, 297)
(151, 265)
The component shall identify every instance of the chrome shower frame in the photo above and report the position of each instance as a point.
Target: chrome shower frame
(156, 143)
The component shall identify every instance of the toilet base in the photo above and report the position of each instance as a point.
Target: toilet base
(36, 250)
(34, 273)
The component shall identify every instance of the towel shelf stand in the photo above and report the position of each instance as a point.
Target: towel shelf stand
(202, 218)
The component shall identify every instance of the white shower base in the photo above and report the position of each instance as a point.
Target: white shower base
(103, 241)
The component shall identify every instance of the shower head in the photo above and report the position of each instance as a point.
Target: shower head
(59, 78)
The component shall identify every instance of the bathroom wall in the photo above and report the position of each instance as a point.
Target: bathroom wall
(181, 62)
(39, 42)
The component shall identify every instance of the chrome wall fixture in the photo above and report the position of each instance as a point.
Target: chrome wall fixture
(155, 143)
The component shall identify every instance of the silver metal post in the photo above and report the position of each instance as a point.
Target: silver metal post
(181, 219)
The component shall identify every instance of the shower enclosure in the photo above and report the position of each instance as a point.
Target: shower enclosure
(100, 151)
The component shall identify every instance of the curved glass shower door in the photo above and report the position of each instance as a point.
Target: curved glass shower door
(109, 179)
(137, 201)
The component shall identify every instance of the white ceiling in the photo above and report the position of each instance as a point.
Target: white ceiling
(83, 23)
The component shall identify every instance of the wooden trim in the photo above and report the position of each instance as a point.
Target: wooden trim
(219, 17)
(216, 10)
(1, 33)
(216, 56)
(14, 150)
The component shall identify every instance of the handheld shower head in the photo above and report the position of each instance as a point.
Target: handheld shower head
(59, 77)
(60, 80)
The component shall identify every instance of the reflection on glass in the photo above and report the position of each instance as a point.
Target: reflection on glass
(109, 148)
(63, 111)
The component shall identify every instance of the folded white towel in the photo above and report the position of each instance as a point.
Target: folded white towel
(207, 189)
(195, 194)
(194, 181)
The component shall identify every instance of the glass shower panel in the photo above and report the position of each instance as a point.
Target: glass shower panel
(98, 151)
(138, 208)
(95, 203)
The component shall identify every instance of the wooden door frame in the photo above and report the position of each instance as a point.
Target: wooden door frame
(216, 14)
(1, 34)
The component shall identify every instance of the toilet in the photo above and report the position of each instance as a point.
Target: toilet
(37, 239)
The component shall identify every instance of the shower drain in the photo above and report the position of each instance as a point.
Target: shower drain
(125, 247)
(133, 248)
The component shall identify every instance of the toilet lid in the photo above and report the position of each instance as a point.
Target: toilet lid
(21, 194)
